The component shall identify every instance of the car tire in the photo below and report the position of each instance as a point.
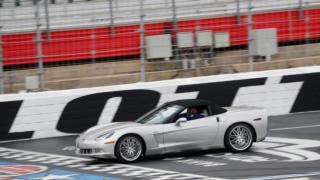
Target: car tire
(129, 148)
(239, 137)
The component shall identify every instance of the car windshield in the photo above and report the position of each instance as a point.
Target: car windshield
(160, 115)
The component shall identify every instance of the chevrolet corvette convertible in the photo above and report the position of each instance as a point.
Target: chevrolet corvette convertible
(176, 126)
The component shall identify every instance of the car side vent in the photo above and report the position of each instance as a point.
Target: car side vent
(257, 119)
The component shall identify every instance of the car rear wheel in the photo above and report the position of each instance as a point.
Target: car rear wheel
(129, 148)
(239, 137)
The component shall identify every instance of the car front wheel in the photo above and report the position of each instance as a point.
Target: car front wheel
(129, 148)
(239, 138)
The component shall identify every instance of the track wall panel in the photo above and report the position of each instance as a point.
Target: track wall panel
(60, 113)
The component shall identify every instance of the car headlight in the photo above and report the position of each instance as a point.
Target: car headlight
(105, 136)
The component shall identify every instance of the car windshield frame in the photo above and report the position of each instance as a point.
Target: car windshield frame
(161, 115)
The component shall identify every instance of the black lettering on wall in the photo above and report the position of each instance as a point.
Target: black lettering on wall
(8, 113)
(84, 112)
(221, 93)
(308, 98)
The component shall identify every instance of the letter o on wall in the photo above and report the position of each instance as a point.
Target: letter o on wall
(84, 112)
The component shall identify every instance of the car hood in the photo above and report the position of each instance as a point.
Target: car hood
(99, 130)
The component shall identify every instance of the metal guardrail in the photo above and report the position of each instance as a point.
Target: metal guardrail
(107, 13)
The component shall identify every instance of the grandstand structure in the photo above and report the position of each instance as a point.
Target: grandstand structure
(107, 31)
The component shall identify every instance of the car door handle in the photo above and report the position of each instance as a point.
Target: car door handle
(218, 119)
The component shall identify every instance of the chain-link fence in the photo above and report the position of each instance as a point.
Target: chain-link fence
(62, 44)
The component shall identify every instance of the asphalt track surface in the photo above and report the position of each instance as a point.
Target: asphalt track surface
(291, 152)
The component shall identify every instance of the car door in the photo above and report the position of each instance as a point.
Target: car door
(196, 134)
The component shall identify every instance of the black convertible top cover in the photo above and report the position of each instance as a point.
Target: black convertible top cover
(199, 102)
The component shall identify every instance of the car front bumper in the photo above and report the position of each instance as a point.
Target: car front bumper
(92, 148)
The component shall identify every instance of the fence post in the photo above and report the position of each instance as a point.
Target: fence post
(1, 64)
(174, 16)
(250, 38)
(238, 13)
(39, 47)
(301, 16)
(111, 17)
(46, 9)
(307, 35)
(142, 43)
(175, 29)
(93, 51)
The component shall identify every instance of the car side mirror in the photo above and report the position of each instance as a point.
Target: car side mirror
(181, 120)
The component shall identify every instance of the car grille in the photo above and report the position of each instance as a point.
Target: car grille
(85, 151)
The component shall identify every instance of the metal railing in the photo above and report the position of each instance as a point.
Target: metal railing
(53, 35)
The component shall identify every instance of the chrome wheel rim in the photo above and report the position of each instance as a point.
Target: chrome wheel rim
(240, 137)
(130, 148)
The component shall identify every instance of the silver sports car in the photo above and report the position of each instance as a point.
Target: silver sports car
(191, 124)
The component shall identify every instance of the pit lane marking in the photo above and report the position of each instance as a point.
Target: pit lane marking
(292, 149)
(297, 127)
(285, 177)
(196, 162)
(240, 157)
(112, 168)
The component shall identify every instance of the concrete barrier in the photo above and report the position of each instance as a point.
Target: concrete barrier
(67, 112)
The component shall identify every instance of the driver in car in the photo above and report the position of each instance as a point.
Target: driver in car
(193, 114)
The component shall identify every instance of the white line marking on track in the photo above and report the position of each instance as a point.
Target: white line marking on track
(110, 168)
(298, 127)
